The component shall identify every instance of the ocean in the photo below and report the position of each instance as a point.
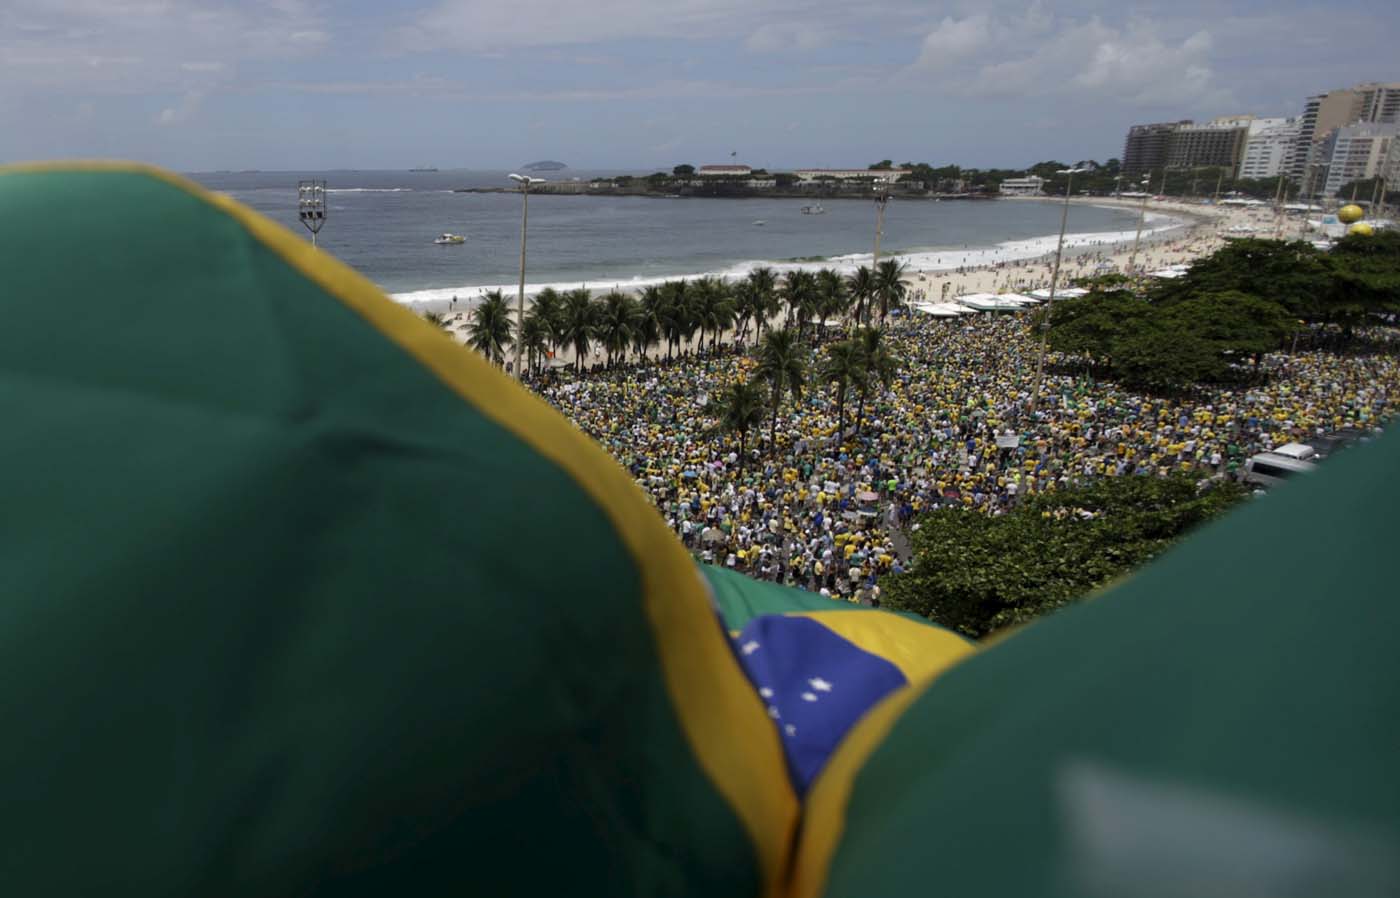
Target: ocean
(383, 224)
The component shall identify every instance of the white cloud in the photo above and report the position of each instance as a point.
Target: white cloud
(777, 37)
(953, 41)
(189, 104)
(140, 46)
(1036, 54)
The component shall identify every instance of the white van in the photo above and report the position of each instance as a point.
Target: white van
(1271, 468)
(1296, 451)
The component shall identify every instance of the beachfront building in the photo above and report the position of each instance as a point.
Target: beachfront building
(1359, 152)
(1027, 186)
(724, 171)
(1269, 149)
(807, 175)
(1212, 145)
(1146, 146)
(1324, 114)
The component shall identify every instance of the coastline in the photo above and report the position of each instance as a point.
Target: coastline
(1193, 232)
(1161, 221)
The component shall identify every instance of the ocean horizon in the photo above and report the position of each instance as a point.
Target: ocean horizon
(383, 223)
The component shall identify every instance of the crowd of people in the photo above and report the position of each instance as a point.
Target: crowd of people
(954, 428)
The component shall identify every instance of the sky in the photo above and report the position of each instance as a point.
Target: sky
(202, 85)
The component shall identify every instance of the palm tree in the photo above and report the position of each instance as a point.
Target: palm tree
(577, 323)
(844, 367)
(490, 329)
(862, 287)
(616, 319)
(832, 298)
(783, 364)
(800, 294)
(714, 310)
(650, 311)
(436, 320)
(890, 286)
(677, 320)
(548, 305)
(739, 409)
(534, 339)
(879, 366)
(764, 284)
(747, 306)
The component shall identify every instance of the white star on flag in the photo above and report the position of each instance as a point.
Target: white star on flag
(790, 730)
(809, 696)
(819, 684)
(750, 647)
(773, 712)
(766, 692)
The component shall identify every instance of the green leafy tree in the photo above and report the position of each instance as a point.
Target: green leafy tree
(436, 320)
(890, 288)
(615, 324)
(799, 295)
(832, 299)
(861, 286)
(1294, 274)
(714, 308)
(764, 283)
(683, 171)
(534, 340)
(878, 367)
(843, 368)
(579, 322)
(548, 307)
(782, 363)
(490, 330)
(739, 409)
(977, 574)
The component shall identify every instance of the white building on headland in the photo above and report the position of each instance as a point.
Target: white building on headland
(850, 174)
(1027, 186)
(724, 171)
(1269, 149)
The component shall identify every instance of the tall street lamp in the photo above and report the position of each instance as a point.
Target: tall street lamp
(1142, 216)
(1054, 283)
(311, 206)
(525, 183)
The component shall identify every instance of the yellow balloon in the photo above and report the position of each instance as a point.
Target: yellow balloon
(1361, 228)
(1349, 213)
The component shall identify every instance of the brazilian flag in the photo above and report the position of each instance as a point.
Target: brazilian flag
(298, 597)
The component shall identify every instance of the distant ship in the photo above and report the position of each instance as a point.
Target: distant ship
(423, 168)
(546, 165)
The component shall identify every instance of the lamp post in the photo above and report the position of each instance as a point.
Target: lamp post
(1142, 216)
(525, 183)
(1044, 326)
(882, 197)
(311, 206)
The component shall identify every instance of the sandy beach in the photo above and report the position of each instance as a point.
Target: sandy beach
(1174, 233)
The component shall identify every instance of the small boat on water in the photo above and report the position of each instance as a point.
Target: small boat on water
(760, 223)
(813, 210)
(450, 240)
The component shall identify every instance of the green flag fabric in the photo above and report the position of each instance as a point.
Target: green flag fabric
(278, 617)
(1223, 722)
(301, 598)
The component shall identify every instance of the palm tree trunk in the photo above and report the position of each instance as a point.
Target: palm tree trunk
(773, 426)
(840, 413)
(741, 450)
(860, 413)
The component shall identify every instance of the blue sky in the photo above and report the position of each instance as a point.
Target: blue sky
(280, 84)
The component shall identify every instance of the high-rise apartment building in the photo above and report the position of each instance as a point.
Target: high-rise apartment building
(1325, 113)
(1147, 146)
(1269, 149)
(1359, 152)
(1199, 146)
